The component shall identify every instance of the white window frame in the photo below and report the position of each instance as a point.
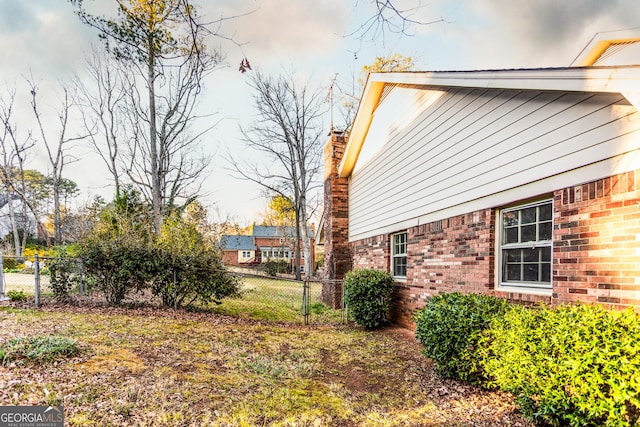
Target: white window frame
(537, 287)
(396, 257)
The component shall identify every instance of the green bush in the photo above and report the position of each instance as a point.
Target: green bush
(64, 275)
(368, 296)
(450, 326)
(17, 296)
(573, 365)
(37, 349)
(272, 268)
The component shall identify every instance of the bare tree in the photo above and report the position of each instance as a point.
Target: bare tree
(390, 16)
(287, 135)
(162, 45)
(102, 98)
(57, 148)
(14, 149)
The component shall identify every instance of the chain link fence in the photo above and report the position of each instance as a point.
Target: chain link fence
(277, 299)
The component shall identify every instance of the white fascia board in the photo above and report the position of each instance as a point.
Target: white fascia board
(587, 79)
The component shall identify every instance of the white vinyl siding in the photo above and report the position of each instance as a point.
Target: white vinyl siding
(479, 143)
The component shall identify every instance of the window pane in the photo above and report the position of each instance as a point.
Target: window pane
(400, 266)
(545, 212)
(510, 219)
(531, 273)
(513, 272)
(546, 273)
(545, 231)
(530, 255)
(513, 255)
(528, 215)
(511, 235)
(528, 233)
(546, 254)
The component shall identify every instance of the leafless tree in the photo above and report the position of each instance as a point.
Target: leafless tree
(102, 100)
(162, 45)
(58, 151)
(12, 173)
(390, 16)
(287, 136)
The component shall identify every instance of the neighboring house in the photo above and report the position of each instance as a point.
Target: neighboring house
(524, 184)
(238, 250)
(266, 243)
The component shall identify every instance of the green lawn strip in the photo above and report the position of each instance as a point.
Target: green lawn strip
(207, 370)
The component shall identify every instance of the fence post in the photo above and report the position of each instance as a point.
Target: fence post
(175, 289)
(36, 270)
(3, 297)
(305, 301)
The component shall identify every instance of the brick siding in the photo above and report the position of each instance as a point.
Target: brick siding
(596, 251)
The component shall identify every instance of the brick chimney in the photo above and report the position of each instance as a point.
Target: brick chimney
(337, 255)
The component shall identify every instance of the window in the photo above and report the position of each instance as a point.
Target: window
(246, 254)
(526, 245)
(265, 254)
(399, 254)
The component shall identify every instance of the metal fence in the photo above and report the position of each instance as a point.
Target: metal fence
(277, 299)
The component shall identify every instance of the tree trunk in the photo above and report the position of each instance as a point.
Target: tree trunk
(156, 197)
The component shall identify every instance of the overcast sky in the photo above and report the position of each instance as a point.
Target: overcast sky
(44, 38)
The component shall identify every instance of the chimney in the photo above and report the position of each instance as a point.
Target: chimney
(337, 255)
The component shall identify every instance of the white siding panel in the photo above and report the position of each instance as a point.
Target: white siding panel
(475, 143)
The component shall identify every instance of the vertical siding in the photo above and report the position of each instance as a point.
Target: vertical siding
(474, 143)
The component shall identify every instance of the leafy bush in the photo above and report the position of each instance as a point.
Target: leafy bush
(272, 268)
(17, 296)
(118, 267)
(199, 273)
(368, 296)
(573, 365)
(37, 349)
(450, 326)
(64, 275)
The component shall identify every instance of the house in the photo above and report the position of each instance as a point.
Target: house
(522, 183)
(265, 243)
(238, 250)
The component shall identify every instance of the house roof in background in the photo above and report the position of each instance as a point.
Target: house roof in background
(237, 243)
(275, 231)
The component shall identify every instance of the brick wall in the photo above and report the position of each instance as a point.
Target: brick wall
(597, 242)
(337, 255)
(596, 256)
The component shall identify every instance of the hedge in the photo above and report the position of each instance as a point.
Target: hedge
(573, 365)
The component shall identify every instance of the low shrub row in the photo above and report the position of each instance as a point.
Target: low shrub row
(575, 365)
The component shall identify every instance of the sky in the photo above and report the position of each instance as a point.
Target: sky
(315, 40)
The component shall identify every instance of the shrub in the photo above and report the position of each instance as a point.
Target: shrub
(450, 326)
(118, 267)
(17, 296)
(272, 268)
(368, 296)
(37, 349)
(574, 365)
(64, 275)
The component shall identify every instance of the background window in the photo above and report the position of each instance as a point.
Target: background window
(526, 245)
(399, 254)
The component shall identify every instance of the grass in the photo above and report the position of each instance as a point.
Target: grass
(276, 300)
(149, 366)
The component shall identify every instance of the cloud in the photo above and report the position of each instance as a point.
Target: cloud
(276, 29)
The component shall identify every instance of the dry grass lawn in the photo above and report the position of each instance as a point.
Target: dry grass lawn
(151, 366)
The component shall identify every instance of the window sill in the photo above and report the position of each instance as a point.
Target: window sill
(544, 292)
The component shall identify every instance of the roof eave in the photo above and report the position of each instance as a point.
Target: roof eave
(624, 80)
